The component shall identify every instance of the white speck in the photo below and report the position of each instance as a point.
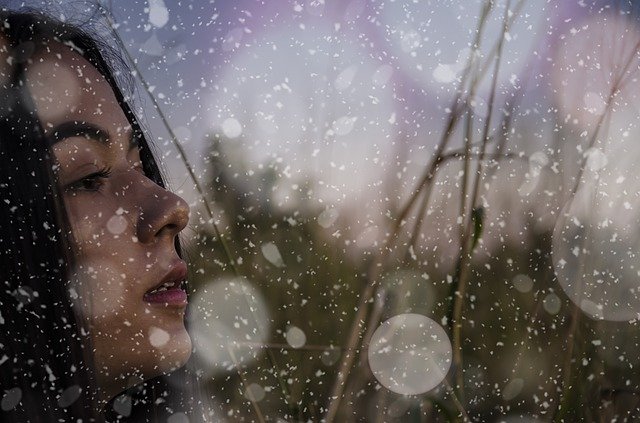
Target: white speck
(444, 74)
(158, 13)
(272, 254)
(596, 159)
(52, 377)
(73, 294)
(231, 128)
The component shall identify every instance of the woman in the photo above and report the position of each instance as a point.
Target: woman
(93, 287)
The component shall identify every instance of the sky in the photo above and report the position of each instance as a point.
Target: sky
(353, 95)
(331, 87)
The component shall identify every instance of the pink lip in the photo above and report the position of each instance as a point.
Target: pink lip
(174, 296)
(170, 297)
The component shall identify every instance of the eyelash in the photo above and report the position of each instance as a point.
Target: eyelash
(94, 178)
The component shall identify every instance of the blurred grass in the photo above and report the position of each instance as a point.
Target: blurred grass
(507, 334)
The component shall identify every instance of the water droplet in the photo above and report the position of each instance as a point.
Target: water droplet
(410, 354)
(522, 283)
(512, 389)
(382, 75)
(254, 392)
(552, 303)
(158, 337)
(152, 46)
(330, 356)
(444, 74)
(178, 418)
(158, 13)
(594, 103)
(538, 160)
(229, 324)
(231, 128)
(122, 405)
(69, 396)
(11, 399)
(117, 224)
(596, 159)
(344, 125)
(295, 337)
(328, 217)
(594, 252)
(272, 254)
(410, 41)
(345, 78)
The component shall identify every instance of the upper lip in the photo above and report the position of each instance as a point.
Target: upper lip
(176, 275)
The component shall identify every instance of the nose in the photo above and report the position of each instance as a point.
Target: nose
(163, 214)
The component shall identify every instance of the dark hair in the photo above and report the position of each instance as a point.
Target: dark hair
(46, 366)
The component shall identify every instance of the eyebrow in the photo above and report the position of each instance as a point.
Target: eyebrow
(89, 131)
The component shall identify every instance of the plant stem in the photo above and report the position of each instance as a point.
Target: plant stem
(243, 380)
(360, 319)
(464, 267)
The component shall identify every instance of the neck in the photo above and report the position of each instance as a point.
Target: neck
(110, 387)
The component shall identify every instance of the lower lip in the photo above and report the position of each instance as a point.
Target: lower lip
(175, 297)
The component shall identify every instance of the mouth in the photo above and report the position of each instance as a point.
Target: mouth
(171, 289)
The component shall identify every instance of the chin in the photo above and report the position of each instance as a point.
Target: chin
(175, 353)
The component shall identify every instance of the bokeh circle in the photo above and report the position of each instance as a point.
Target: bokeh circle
(410, 354)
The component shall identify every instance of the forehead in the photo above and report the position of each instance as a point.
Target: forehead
(65, 86)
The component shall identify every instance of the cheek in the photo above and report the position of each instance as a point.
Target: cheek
(99, 223)
(105, 273)
(103, 290)
(112, 274)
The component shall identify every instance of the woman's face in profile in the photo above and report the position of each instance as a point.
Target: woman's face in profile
(123, 223)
